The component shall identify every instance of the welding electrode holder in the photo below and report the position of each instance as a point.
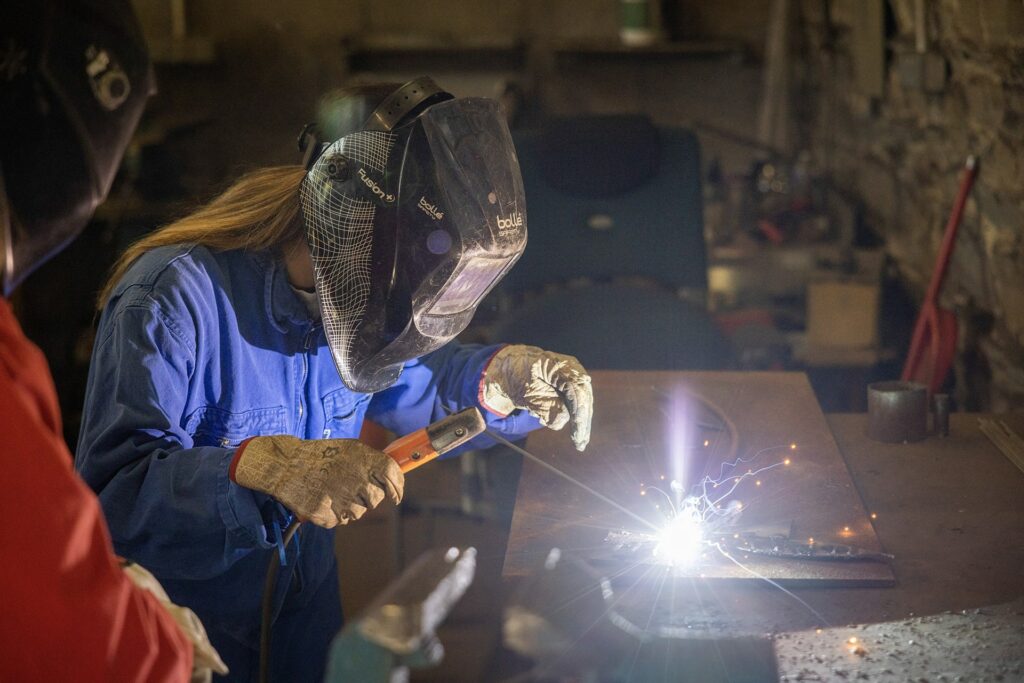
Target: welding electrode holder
(422, 446)
(409, 452)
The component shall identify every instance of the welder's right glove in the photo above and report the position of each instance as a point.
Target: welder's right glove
(328, 482)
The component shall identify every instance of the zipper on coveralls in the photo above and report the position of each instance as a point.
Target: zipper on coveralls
(306, 346)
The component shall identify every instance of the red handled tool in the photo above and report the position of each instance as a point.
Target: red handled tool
(933, 345)
(420, 447)
(409, 451)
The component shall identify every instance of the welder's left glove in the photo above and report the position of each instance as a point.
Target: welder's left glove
(552, 387)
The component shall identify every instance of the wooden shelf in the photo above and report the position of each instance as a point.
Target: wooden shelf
(434, 53)
(658, 51)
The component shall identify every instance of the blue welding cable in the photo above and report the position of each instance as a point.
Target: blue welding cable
(279, 543)
(277, 560)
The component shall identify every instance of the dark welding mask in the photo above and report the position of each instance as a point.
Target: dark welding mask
(74, 77)
(411, 221)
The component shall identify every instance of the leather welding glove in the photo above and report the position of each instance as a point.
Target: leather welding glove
(205, 659)
(328, 482)
(552, 387)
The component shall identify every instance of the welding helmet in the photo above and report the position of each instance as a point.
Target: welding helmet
(411, 218)
(74, 77)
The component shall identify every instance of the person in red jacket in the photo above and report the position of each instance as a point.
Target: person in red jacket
(74, 77)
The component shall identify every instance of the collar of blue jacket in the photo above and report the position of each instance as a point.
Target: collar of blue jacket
(283, 307)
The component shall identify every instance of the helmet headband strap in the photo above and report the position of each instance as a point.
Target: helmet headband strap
(403, 101)
(396, 107)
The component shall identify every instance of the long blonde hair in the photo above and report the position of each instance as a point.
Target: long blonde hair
(259, 212)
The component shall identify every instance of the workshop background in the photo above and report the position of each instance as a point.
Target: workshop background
(832, 137)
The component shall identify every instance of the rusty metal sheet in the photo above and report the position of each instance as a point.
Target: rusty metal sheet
(647, 425)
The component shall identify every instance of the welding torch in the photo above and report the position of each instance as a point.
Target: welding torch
(436, 439)
(409, 451)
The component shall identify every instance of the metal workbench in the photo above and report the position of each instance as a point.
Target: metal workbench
(951, 511)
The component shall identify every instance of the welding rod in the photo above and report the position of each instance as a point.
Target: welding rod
(551, 468)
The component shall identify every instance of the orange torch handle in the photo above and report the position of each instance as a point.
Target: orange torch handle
(420, 447)
(412, 450)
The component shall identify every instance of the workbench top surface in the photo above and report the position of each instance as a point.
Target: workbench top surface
(758, 441)
(951, 510)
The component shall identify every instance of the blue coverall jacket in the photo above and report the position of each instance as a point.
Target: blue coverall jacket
(196, 351)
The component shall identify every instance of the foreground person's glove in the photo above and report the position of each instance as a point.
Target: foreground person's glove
(205, 659)
(551, 387)
(328, 482)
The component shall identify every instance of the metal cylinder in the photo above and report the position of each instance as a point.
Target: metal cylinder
(897, 411)
(940, 404)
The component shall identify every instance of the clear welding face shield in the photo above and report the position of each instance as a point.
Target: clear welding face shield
(411, 221)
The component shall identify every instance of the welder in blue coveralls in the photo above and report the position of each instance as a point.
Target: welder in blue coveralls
(241, 347)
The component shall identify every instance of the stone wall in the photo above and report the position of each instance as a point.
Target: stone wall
(901, 152)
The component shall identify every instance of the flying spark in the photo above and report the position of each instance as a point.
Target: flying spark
(693, 519)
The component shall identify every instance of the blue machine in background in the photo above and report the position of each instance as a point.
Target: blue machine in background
(615, 271)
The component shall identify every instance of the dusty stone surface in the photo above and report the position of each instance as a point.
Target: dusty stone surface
(902, 156)
(973, 645)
